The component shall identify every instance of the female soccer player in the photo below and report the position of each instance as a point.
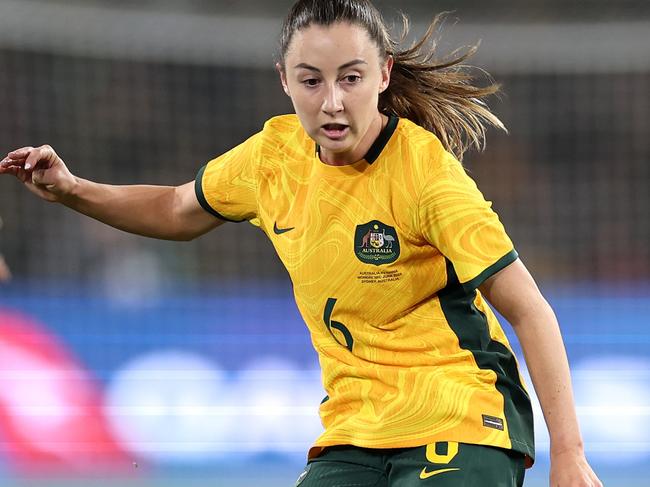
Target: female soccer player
(392, 251)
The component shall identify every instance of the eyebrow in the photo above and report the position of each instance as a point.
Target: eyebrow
(341, 67)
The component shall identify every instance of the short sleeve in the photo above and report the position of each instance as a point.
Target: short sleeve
(226, 186)
(455, 218)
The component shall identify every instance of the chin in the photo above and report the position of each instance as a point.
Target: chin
(335, 146)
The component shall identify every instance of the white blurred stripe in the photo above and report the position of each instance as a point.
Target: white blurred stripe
(623, 411)
(248, 41)
(618, 446)
(566, 48)
(273, 411)
(136, 34)
(612, 447)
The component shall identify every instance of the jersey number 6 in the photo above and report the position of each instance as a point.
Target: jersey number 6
(327, 318)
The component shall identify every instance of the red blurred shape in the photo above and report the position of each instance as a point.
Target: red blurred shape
(50, 408)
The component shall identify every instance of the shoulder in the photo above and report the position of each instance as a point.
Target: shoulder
(281, 137)
(422, 149)
(282, 124)
(283, 132)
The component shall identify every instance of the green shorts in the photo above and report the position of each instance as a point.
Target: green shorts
(442, 464)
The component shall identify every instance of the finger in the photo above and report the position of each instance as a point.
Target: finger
(7, 161)
(13, 160)
(20, 153)
(43, 154)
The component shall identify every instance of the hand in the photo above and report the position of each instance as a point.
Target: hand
(572, 470)
(41, 170)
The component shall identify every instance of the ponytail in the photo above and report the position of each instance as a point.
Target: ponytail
(438, 94)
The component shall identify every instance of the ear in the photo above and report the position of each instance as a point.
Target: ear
(283, 78)
(386, 69)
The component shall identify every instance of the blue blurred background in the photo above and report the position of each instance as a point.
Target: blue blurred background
(129, 361)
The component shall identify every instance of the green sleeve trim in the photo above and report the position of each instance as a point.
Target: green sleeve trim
(200, 196)
(502, 263)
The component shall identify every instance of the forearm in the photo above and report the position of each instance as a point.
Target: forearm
(165, 212)
(539, 335)
(140, 209)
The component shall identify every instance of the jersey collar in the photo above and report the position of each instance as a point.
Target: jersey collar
(379, 143)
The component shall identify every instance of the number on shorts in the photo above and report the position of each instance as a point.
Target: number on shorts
(434, 457)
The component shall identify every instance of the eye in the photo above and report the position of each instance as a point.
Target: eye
(352, 78)
(311, 82)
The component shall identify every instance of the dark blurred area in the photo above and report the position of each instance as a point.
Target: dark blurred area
(495, 10)
(128, 123)
(570, 180)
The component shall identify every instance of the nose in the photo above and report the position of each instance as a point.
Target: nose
(333, 100)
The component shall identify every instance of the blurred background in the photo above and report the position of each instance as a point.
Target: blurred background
(129, 361)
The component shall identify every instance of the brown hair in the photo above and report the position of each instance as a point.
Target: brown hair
(436, 94)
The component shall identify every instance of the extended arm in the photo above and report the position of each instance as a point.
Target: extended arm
(513, 292)
(165, 212)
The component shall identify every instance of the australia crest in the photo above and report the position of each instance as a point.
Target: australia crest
(376, 243)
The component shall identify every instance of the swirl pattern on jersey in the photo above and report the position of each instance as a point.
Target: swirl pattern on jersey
(410, 352)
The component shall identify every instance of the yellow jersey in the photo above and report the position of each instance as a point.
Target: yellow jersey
(385, 256)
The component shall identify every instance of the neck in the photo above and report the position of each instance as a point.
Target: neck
(362, 148)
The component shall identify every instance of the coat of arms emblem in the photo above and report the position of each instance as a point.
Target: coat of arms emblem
(376, 243)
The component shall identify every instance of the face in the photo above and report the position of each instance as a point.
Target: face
(334, 75)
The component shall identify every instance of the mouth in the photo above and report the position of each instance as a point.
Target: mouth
(335, 130)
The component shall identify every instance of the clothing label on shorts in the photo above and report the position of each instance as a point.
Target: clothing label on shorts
(492, 422)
